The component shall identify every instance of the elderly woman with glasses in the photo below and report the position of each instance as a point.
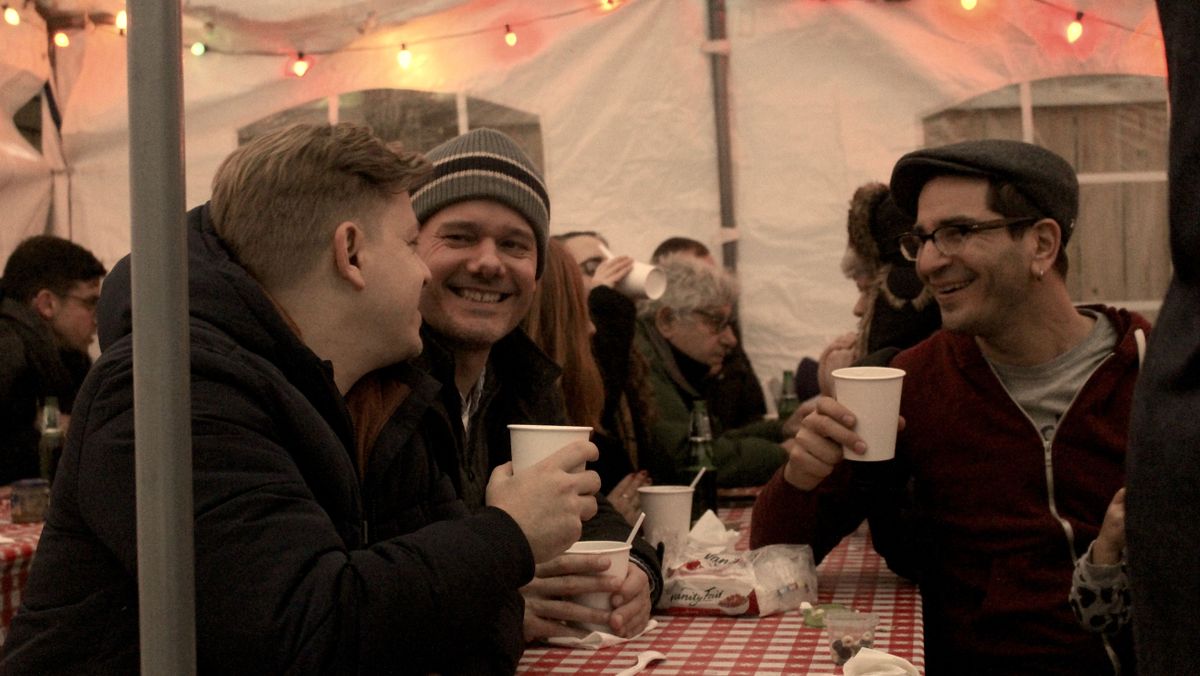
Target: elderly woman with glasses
(683, 335)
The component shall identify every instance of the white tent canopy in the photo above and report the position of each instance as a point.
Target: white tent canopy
(824, 96)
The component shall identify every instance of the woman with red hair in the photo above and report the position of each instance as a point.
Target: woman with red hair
(560, 325)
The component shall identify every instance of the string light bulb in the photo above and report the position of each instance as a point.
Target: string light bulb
(11, 16)
(299, 67)
(969, 4)
(510, 38)
(122, 21)
(1075, 28)
(608, 5)
(61, 39)
(404, 57)
(198, 48)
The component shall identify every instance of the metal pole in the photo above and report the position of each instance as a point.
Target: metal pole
(719, 55)
(162, 405)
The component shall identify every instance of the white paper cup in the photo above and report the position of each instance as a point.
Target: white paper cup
(668, 517)
(643, 281)
(532, 443)
(618, 557)
(872, 393)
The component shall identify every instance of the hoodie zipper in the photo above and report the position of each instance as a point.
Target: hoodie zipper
(1047, 452)
(1048, 456)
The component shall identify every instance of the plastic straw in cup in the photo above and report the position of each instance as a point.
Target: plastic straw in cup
(636, 526)
(696, 480)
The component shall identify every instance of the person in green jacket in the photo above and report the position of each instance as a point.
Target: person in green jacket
(683, 335)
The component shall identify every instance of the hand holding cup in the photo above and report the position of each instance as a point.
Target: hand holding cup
(826, 437)
(642, 281)
(549, 500)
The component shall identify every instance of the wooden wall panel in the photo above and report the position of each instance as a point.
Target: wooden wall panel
(1142, 137)
(1121, 250)
(1100, 234)
(1147, 240)
(952, 126)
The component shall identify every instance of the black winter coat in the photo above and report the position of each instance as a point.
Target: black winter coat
(519, 388)
(285, 580)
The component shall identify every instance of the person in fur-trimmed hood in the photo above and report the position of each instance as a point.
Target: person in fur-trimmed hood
(895, 310)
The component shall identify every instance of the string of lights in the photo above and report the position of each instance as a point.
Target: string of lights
(300, 61)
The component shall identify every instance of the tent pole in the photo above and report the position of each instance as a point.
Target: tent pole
(161, 380)
(719, 60)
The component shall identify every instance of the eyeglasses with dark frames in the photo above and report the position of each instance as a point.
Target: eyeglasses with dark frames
(88, 302)
(715, 322)
(949, 238)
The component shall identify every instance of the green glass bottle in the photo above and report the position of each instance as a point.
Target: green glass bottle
(788, 401)
(701, 448)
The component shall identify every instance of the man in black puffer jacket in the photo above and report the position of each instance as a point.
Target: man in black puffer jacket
(302, 278)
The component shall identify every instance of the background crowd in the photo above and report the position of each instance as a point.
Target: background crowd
(367, 321)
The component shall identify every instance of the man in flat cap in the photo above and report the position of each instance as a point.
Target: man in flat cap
(1016, 417)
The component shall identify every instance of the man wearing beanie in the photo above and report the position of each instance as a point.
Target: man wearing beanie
(1016, 417)
(484, 219)
(304, 563)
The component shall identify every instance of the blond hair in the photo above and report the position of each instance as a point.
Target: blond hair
(277, 199)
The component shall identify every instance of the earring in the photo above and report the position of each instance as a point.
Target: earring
(1041, 273)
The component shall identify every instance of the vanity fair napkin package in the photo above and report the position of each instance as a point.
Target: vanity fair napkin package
(711, 578)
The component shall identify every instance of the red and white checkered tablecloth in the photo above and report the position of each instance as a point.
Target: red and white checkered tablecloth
(15, 559)
(852, 575)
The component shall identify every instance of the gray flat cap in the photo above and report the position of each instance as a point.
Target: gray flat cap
(1044, 178)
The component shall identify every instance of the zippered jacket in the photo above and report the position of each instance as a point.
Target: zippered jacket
(286, 581)
(986, 516)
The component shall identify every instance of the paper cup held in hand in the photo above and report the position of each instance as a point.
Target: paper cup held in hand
(618, 557)
(668, 516)
(532, 443)
(872, 393)
(643, 281)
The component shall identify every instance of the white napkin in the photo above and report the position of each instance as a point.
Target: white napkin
(871, 662)
(598, 639)
(710, 533)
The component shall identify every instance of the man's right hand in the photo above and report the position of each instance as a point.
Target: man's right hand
(817, 447)
(547, 500)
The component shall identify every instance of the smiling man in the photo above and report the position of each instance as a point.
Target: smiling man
(1016, 422)
(47, 321)
(484, 219)
(303, 277)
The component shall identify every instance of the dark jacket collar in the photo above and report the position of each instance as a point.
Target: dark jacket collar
(224, 296)
(664, 358)
(514, 359)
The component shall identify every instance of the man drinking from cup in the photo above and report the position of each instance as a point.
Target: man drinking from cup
(1014, 421)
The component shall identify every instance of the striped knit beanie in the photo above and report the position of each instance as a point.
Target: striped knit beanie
(486, 164)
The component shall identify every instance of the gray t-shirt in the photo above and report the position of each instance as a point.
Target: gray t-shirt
(1046, 390)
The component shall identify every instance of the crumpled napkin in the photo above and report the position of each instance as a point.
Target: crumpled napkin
(710, 533)
(871, 662)
(598, 639)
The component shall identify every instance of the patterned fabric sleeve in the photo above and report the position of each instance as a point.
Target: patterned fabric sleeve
(1100, 594)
